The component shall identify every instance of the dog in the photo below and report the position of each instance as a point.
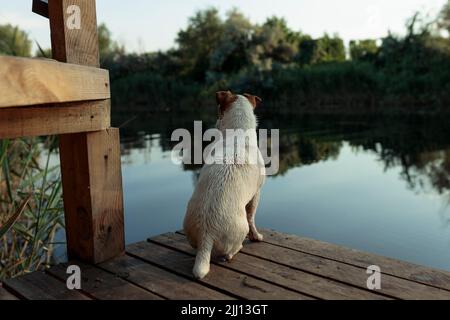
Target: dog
(221, 211)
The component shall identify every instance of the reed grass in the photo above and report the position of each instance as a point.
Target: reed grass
(30, 203)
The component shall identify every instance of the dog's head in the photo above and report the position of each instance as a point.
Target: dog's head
(226, 101)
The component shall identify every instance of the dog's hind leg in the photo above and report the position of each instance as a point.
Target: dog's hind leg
(230, 256)
(250, 208)
(203, 258)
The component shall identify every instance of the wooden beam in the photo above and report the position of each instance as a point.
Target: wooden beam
(92, 187)
(40, 7)
(54, 119)
(78, 46)
(26, 82)
(90, 162)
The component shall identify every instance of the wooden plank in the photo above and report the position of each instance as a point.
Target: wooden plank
(54, 119)
(421, 274)
(40, 7)
(103, 285)
(300, 281)
(6, 295)
(78, 46)
(356, 276)
(41, 286)
(30, 81)
(92, 191)
(90, 162)
(159, 281)
(238, 284)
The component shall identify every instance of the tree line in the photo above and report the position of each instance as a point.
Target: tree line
(292, 71)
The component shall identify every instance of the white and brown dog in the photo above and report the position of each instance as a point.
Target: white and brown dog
(221, 212)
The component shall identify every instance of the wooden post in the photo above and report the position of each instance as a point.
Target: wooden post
(90, 162)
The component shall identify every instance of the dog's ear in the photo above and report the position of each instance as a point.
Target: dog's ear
(222, 97)
(224, 100)
(254, 100)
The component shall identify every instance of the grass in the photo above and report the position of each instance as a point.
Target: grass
(30, 203)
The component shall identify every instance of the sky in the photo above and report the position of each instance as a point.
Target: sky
(150, 25)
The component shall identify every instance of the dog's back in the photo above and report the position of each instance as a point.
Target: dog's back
(219, 199)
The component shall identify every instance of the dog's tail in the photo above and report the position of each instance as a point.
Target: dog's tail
(202, 260)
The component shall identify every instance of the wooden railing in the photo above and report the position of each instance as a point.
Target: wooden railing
(71, 98)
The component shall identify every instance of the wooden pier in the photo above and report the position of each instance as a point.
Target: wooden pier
(282, 267)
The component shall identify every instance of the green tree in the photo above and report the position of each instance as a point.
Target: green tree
(275, 42)
(198, 41)
(232, 51)
(307, 47)
(325, 49)
(107, 46)
(363, 49)
(444, 17)
(14, 41)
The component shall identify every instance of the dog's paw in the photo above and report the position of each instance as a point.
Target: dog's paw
(229, 257)
(256, 237)
(200, 272)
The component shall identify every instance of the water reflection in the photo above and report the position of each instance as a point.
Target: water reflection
(380, 185)
(421, 147)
